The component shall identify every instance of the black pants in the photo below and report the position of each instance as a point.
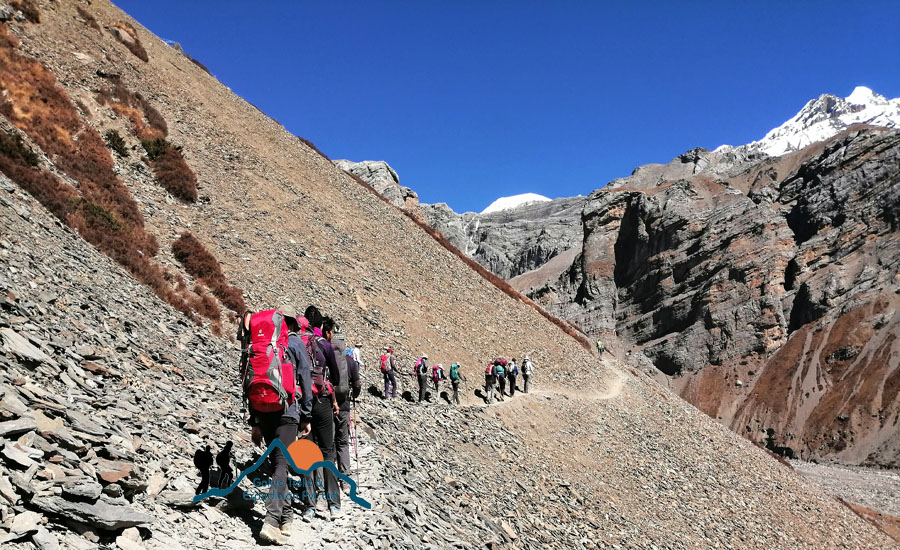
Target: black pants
(455, 384)
(390, 379)
(423, 385)
(527, 382)
(278, 505)
(512, 385)
(322, 434)
(502, 382)
(342, 438)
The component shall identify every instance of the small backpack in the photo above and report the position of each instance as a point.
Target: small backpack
(454, 372)
(437, 373)
(513, 369)
(500, 372)
(317, 366)
(489, 371)
(421, 367)
(269, 378)
(384, 363)
(342, 389)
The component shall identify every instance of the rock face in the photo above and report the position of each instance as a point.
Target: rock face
(782, 277)
(383, 179)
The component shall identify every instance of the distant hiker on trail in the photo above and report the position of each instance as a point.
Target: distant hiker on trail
(357, 355)
(527, 372)
(512, 371)
(490, 379)
(274, 410)
(500, 373)
(421, 373)
(455, 377)
(223, 460)
(325, 372)
(203, 460)
(345, 398)
(388, 373)
(437, 375)
(600, 347)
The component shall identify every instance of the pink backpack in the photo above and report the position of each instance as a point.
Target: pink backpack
(269, 380)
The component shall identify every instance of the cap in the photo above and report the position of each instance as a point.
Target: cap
(424, 356)
(288, 310)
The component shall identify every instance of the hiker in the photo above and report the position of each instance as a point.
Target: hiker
(388, 373)
(455, 377)
(512, 371)
(345, 394)
(600, 347)
(490, 380)
(421, 374)
(274, 412)
(357, 355)
(437, 375)
(324, 369)
(223, 460)
(500, 373)
(527, 372)
(203, 459)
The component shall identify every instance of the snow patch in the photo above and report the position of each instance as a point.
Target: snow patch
(515, 201)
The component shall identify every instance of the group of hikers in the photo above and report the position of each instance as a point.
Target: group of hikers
(301, 380)
(497, 373)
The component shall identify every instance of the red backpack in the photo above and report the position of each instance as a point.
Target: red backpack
(269, 382)
(384, 363)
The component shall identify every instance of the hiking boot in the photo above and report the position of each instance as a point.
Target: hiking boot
(286, 528)
(270, 533)
(335, 511)
(309, 514)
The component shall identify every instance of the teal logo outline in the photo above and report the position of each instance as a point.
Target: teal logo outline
(278, 443)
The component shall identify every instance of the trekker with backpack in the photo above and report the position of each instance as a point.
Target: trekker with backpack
(500, 373)
(437, 375)
(388, 373)
(455, 377)
(421, 373)
(324, 370)
(490, 379)
(272, 398)
(512, 371)
(527, 372)
(357, 355)
(346, 390)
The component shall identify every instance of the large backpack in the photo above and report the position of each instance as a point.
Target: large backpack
(318, 368)
(437, 373)
(384, 363)
(269, 378)
(342, 389)
(454, 372)
(513, 369)
(527, 367)
(499, 371)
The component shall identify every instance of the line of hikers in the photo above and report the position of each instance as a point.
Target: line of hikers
(299, 380)
(497, 373)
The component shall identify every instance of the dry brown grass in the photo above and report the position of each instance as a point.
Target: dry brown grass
(100, 208)
(203, 266)
(134, 45)
(504, 286)
(309, 144)
(174, 174)
(89, 19)
(146, 122)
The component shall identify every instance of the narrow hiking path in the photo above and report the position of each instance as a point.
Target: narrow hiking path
(613, 388)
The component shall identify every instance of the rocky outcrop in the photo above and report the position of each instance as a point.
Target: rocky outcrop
(383, 179)
(724, 283)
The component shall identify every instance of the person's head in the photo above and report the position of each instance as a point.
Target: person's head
(425, 356)
(513, 359)
(327, 328)
(290, 317)
(314, 316)
(390, 351)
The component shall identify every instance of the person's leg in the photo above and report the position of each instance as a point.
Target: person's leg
(512, 386)
(342, 439)
(386, 385)
(393, 384)
(272, 428)
(456, 391)
(421, 389)
(527, 383)
(323, 425)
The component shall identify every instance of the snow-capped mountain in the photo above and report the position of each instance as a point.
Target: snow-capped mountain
(827, 116)
(505, 203)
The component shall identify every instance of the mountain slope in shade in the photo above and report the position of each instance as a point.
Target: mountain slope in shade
(515, 201)
(827, 116)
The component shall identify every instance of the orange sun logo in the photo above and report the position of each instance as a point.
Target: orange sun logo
(305, 453)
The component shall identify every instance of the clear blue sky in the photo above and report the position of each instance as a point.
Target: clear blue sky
(473, 100)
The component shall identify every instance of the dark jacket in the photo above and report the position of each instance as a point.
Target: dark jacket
(325, 356)
(300, 358)
(355, 383)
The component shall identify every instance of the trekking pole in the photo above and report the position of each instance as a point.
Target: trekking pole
(353, 435)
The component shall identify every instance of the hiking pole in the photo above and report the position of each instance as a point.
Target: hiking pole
(353, 435)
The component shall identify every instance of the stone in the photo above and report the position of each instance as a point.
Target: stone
(17, 457)
(45, 540)
(17, 427)
(101, 514)
(21, 348)
(82, 488)
(112, 471)
(24, 523)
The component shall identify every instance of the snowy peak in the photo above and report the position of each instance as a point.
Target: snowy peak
(515, 201)
(827, 116)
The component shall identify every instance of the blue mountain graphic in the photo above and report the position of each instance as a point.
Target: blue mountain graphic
(277, 443)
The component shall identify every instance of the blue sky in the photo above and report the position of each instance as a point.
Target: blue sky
(473, 100)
